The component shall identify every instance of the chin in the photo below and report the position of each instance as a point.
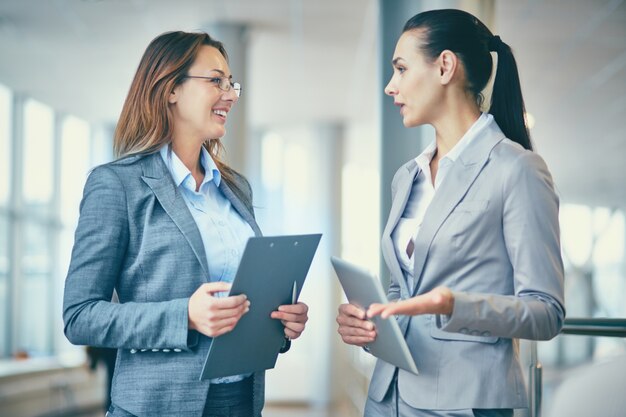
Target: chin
(215, 133)
(410, 123)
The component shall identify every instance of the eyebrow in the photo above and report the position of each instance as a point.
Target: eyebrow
(396, 60)
(222, 72)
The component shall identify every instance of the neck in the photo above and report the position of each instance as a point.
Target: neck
(453, 124)
(189, 155)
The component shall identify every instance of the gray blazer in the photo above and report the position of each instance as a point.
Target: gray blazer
(136, 235)
(491, 234)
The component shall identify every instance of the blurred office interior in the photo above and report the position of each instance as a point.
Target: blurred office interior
(319, 142)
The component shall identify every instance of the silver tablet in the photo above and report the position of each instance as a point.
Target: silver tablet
(364, 289)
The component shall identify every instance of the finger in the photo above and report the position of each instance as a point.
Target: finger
(358, 341)
(296, 327)
(233, 301)
(292, 334)
(299, 308)
(375, 309)
(352, 310)
(356, 323)
(213, 287)
(402, 307)
(229, 312)
(354, 331)
(299, 318)
(214, 329)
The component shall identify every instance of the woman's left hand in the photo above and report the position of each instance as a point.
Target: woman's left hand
(437, 301)
(293, 317)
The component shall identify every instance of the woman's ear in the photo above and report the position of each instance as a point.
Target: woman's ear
(448, 62)
(173, 98)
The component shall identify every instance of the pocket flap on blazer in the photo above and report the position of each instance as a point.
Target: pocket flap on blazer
(472, 206)
(437, 333)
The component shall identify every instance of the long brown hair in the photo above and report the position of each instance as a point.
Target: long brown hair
(146, 122)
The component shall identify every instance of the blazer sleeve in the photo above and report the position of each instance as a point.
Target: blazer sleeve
(531, 234)
(98, 257)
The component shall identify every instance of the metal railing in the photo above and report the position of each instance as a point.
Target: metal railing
(573, 326)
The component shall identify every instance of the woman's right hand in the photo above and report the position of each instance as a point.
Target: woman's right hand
(213, 316)
(354, 327)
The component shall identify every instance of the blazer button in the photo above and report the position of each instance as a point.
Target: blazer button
(464, 330)
(486, 333)
(177, 350)
(133, 351)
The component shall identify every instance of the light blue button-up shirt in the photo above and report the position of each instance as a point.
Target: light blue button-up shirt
(224, 232)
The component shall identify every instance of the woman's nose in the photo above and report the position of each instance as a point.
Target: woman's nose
(230, 95)
(390, 89)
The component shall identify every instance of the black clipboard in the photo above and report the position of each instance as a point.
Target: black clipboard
(268, 269)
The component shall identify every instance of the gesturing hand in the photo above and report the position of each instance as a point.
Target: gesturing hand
(354, 327)
(214, 316)
(293, 317)
(439, 300)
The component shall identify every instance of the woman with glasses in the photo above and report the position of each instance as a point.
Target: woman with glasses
(165, 226)
(472, 239)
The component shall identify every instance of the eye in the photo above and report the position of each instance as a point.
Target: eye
(400, 69)
(215, 80)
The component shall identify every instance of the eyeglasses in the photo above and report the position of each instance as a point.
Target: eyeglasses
(223, 83)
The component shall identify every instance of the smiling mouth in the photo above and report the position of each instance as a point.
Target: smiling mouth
(220, 113)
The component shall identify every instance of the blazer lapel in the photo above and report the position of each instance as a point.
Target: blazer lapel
(158, 178)
(241, 208)
(461, 176)
(400, 198)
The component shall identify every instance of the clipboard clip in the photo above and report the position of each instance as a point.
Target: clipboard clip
(294, 293)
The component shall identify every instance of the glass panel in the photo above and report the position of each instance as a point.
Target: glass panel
(74, 166)
(35, 291)
(38, 156)
(4, 296)
(5, 144)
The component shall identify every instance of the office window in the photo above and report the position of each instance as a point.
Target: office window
(38, 157)
(5, 145)
(36, 229)
(5, 188)
(75, 163)
(35, 315)
(4, 287)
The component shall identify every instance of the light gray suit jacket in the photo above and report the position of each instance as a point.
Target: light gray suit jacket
(491, 234)
(136, 235)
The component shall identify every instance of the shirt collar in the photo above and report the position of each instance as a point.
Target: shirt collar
(179, 171)
(469, 136)
(423, 159)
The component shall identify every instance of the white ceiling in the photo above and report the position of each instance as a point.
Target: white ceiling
(80, 55)
(313, 60)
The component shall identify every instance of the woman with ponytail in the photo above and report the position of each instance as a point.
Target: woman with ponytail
(472, 239)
